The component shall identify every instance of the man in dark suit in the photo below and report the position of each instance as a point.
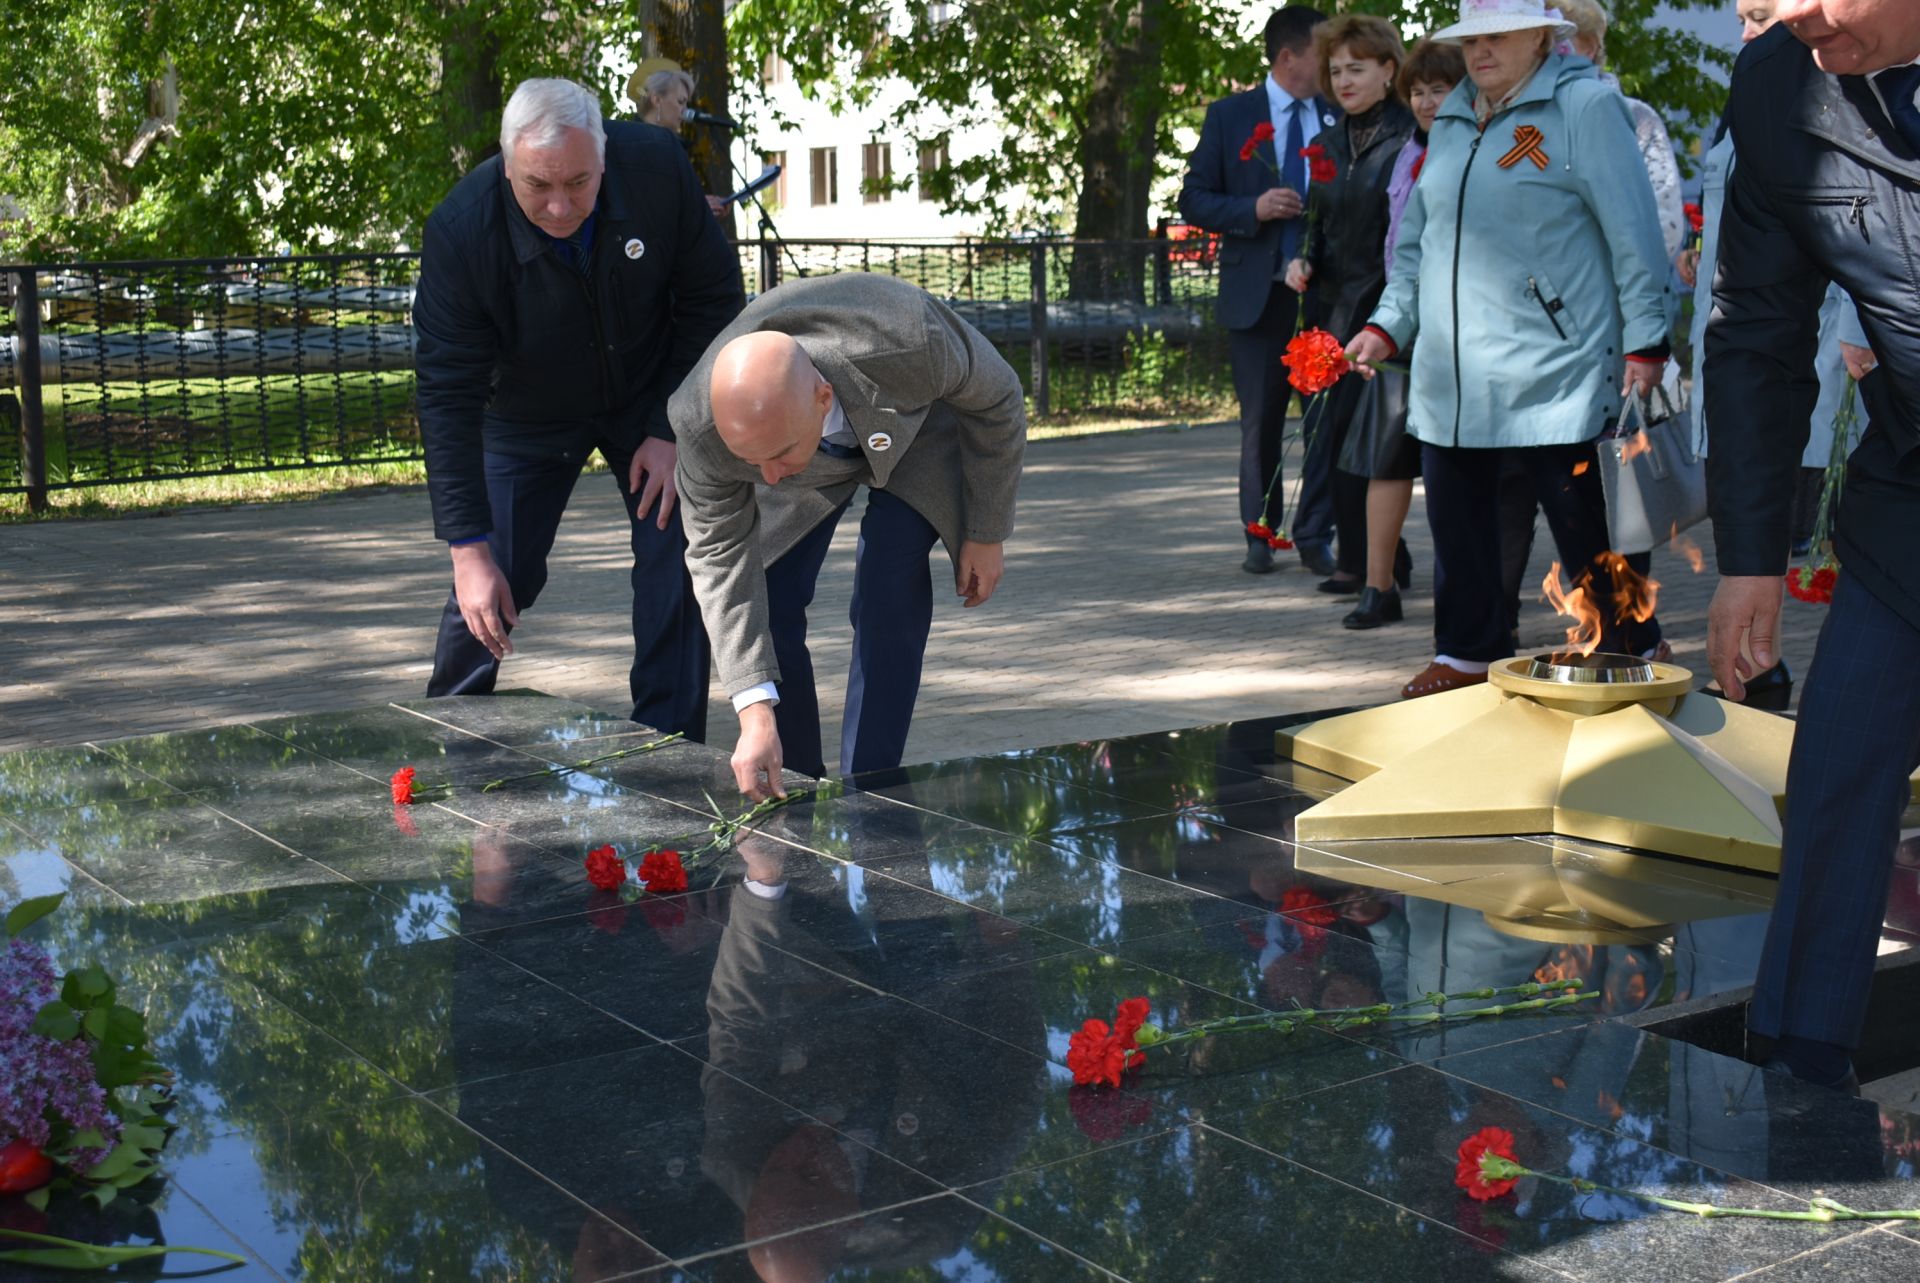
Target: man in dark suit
(1262, 218)
(1826, 187)
(566, 287)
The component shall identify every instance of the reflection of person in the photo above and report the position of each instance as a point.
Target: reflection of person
(1838, 116)
(1343, 256)
(663, 99)
(1261, 220)
(1537, 288)
(823, 385)
(566, 287)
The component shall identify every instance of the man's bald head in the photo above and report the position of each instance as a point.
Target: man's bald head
(769, 402)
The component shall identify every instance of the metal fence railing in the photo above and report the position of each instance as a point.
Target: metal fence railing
(116, 372)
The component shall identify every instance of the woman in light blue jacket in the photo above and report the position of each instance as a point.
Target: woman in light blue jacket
(1532, 269)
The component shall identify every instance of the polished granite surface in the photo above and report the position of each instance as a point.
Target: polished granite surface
(414, 1043)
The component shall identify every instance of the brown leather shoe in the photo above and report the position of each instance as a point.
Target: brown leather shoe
(1438, 677)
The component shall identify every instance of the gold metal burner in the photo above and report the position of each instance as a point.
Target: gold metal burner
(1635, 758)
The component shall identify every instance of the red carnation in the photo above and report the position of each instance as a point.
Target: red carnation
(23, 1167)
(1096, 1055)
(1807, 584)
(1262, 132)
(662, 873)
(1320, 166)
(1303, 904)
(403, 791)
(1696, 217)
(1279, 542)
(1259, 530)
(1128, 1019)
(1496, 1142)
(1315, 361)
(605, 870)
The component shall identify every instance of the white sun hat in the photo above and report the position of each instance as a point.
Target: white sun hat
(1491, 17)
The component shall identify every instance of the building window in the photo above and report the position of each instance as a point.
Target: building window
(778, 195)
(876, 173)
(826, 176)
(933, 158)
(773, 70)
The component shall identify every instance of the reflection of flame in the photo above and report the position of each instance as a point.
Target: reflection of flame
(1633, 598)
(1568, 962)
(1609, 1106)
(1633, 447)
(1580, 468)
(1578, 605)
(1696, 560)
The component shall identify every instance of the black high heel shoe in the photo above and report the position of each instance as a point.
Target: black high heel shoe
(1403, 566)
(1770, 690)
(1375, 608)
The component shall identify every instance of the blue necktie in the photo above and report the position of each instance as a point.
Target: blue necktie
(834, 450)
(1293, 172)
(1898, 86)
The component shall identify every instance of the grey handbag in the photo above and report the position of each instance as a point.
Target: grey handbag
(1656, 484)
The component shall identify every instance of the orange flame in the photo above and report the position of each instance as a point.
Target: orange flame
(1696, 560)
(1634, 598)
(1568, 962)
(1580, 468)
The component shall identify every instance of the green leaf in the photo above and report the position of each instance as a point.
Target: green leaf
(57, 1021)
(94, 1024)
(28, 912)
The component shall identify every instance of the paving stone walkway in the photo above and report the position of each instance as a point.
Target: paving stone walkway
(1123, 611)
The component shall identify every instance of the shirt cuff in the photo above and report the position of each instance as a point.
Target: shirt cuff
(765, 692)
(765, 890)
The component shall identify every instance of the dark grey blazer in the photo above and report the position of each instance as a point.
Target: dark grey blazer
(939, 415)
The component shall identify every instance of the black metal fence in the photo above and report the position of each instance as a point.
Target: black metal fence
(118, 372)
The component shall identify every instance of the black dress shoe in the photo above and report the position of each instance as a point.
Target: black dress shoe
(1403, 566)
(1849, 1085)
(1375, 608)
(1770, 690)
(1316, 557)
(1259, 559)
(1339, 587)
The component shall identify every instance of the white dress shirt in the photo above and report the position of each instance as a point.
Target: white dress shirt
(1279, 106)
(837, 429)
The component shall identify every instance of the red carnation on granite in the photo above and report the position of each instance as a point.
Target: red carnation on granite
(1096, 1055)
(1129, 1018)
(402, 782)
(662, 873)
(24, 1167)
(1315, 361)
(1320, 166)
(1470, 1173)
(1305, 905)
(605, 869)
(1262, 132)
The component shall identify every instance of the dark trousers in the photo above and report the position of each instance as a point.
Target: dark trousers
(1856, 743)
(668, 682)
(1347, 491)
(892, 613)
(1463, 507)
(1260, 381)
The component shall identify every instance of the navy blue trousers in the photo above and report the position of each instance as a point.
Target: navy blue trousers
(1856, 743)
(892, 613)
(668, 682)
(1260, 382)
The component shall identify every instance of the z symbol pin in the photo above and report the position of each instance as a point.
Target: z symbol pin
(880, 441)
(636, 247)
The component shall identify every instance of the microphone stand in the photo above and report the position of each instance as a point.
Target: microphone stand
(769, 234)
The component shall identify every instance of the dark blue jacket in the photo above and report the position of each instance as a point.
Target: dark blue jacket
(520, 352)
(1219, 193)
(1823, 189)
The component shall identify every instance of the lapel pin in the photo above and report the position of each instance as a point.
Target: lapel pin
(880, 441)
(635, 247)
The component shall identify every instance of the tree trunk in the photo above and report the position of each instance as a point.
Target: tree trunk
(470, 84)
(1116, 152)
(694, 34)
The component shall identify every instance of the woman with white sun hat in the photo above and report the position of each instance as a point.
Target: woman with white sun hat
(1530, 265)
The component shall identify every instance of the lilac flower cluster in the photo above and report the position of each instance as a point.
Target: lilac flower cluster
(42, 1080)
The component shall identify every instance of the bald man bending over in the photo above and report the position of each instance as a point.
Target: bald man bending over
(819, 387)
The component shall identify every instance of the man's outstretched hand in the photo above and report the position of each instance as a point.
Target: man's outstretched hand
(978, 571)
(1744, 606)
(756, 755)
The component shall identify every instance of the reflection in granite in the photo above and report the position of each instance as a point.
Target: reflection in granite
(413, 1042)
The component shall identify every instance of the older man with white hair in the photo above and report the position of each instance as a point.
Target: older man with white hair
(567, 285)
(820, 387)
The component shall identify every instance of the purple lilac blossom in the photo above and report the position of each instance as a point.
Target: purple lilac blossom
(42, 1080)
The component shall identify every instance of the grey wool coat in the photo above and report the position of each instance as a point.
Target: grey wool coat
(939, 416)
